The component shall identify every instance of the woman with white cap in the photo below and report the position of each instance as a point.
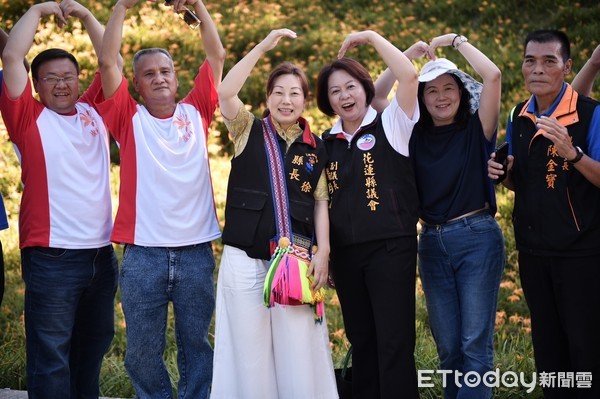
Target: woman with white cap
(461, 248)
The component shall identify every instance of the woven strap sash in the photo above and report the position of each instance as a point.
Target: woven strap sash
(286, 281)
(278, 186)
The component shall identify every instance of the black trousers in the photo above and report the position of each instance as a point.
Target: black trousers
(563, 295)
(375, 283)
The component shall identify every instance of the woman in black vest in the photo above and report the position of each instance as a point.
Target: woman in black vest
(277, 352)
(373, 216)
(461, 249)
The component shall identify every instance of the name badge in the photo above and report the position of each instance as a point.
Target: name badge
(366, 142)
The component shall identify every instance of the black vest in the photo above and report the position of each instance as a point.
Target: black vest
(557, 210)
(249, 214)
(371, 186)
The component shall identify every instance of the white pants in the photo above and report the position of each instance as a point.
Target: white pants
(265, 353)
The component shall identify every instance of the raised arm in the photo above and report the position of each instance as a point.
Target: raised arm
(92, 25)
(489, 105)
(215, 53)
(231, 85)
(401, 67)
(111, 46)
(3, 40)
(385, 82)
(584, 80)
(19, 42)
(383, 86)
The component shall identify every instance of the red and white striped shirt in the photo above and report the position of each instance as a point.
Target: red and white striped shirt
(166, 197)
(65, 164)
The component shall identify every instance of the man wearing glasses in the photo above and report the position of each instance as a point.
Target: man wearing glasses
(69, 266)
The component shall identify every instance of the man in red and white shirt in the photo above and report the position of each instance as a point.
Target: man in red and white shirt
(69, 266)
(166, 214)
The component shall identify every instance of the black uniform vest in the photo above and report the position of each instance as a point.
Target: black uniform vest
(371, 186)
(249, 215)
(557, 210)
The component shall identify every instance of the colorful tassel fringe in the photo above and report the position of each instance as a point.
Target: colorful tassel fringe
(286, 282)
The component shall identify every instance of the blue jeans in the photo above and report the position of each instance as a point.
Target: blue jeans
(460, 264)
(69, 318)
(151, 277)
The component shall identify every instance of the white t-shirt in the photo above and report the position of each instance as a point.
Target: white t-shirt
(166, 197)
(65, 165)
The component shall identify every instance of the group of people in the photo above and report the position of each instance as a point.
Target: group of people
(351, 198)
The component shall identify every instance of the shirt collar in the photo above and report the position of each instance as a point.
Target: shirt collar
(291, 133)
(367, 120)
(564, 109)
(532, 107)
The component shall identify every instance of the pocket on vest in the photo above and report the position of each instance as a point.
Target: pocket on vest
(245, 208)
(303, 213)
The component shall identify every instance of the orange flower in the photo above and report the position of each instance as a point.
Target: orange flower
(513, 298)
(500, 318)
(334, 300)
(339, 333)
(515, 319)
(507, 284)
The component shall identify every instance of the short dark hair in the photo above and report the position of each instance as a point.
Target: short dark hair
(462, 114)
(549, 36)
(149, 51)
(354, 69)
(286, 68)
(49, 55)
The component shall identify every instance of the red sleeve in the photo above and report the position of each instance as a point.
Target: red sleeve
(19, 114)
(117, 110)
(92, 91)
(204, 95)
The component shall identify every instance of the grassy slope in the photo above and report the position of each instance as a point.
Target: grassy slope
(497, 28)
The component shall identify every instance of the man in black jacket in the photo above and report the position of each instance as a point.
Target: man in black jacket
(554, 171)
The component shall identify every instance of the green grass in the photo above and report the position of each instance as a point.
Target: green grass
(513, 341)
(493, 27)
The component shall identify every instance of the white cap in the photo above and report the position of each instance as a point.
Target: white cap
(435, 68)
(440, 66)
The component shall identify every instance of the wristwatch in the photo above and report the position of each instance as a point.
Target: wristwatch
(459, 40)
(578, 156)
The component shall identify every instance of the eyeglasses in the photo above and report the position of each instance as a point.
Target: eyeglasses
(53, 80)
